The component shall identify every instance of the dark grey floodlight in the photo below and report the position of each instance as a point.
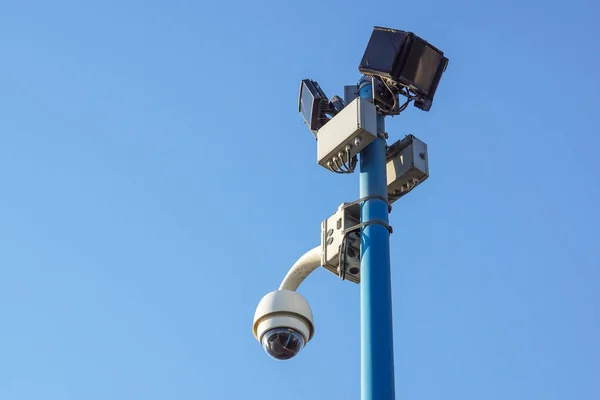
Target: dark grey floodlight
(313, 105)
(407, 60)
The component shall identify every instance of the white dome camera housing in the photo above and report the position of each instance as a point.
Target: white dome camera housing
(283, 323)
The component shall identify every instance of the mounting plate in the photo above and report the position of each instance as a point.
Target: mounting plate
(332, 233)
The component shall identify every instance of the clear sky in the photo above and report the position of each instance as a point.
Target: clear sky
(157, 181)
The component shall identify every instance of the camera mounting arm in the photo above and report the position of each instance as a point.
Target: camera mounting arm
(301, 269)
(283, 321)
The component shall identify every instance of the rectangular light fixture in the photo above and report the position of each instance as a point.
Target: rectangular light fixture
(407, 60)
(312, 104)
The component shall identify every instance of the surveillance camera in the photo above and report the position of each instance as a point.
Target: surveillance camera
(283, 324)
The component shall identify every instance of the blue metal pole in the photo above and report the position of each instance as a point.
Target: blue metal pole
(377, 349)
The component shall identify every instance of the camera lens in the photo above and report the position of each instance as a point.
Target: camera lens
(282, 343)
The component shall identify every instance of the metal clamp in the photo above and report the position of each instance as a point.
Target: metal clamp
(363, 199)
(371, 222)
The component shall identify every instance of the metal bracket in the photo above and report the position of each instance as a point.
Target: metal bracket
(340, 253)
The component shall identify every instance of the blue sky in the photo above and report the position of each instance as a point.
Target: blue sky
(157, 181)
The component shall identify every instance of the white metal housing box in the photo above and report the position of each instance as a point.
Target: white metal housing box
(332, 233)
(407, 166)
(355, 126)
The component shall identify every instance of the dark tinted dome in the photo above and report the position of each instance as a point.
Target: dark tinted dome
(282, 343)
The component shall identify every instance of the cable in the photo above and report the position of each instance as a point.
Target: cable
(403, 106)
(333, 170)
(345, 170)
(352, 161)
(347, 167)
(347, 164)
(384, 80)
(404, 90)
(341, 171)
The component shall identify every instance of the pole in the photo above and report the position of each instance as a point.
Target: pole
(377, 349)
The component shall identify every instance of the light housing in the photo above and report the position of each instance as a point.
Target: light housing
(407, 60)
(313, 105)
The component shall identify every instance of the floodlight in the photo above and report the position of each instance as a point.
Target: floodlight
(405, 60)
(313, 104)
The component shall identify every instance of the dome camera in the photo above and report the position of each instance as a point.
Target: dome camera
(283, 324)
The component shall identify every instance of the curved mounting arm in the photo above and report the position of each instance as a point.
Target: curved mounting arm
(305, 265)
